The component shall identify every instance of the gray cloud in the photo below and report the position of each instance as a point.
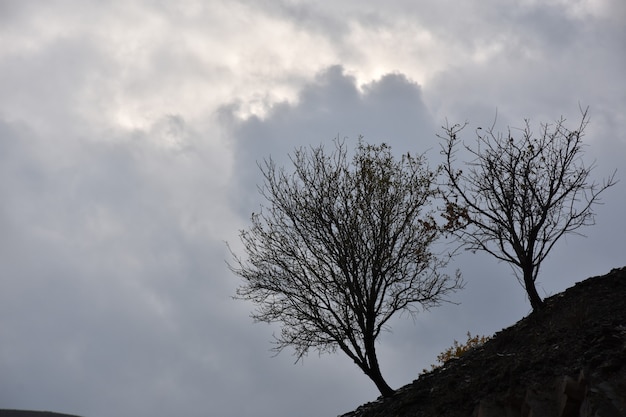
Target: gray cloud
(333, 106)
(108, 278)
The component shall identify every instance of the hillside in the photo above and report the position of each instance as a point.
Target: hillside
(27, 413)
(568, 360)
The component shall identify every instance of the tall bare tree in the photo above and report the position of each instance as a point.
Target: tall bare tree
(519, 195)
(340, 248)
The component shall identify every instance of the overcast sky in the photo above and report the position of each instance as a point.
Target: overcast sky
(129, 136)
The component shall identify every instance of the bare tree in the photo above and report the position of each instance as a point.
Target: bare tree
(342, 247)
(518, 196)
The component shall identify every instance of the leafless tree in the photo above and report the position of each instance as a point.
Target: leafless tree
(519, 196)
(340, 248)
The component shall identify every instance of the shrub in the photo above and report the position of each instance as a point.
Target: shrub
(457, 350)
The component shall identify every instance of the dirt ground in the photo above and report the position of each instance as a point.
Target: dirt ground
(579, 336)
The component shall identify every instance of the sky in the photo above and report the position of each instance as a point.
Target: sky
(130, 133)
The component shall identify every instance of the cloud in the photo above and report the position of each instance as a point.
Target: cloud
(332, 106)
(112, 269)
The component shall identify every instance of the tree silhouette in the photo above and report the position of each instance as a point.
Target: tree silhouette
(340, 248)
(517, 197)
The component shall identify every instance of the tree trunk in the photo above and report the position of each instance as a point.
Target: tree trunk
(373, 369)
(529, 284)
(381, 384)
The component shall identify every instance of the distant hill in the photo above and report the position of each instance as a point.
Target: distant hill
(568, 360)
(27, 413)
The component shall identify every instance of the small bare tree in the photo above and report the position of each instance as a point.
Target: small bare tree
(342, 247)
(518, 196)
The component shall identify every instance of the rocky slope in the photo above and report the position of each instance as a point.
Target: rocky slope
(568, 360)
